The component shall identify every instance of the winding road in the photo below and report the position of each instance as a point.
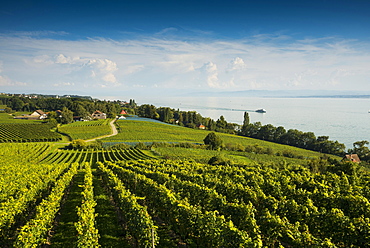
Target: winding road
(114, 132)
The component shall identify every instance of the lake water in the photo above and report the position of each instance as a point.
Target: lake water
(344, 119)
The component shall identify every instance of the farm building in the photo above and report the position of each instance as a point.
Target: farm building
(98, 115)
(352, 158)
(123, 112)
(36, 115)
(39, 114)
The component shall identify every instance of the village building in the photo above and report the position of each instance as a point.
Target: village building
(352, 158)
(36, 115)
(123, 112)
(99, 115)
(39, 114)
(201, 126)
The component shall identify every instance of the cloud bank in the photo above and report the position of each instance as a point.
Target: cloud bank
(30, 64)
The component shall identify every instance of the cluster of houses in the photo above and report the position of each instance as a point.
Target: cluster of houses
(41, 115)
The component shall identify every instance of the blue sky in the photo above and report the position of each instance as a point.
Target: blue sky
(110, 48)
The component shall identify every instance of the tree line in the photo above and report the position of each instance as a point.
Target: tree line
(68, 107)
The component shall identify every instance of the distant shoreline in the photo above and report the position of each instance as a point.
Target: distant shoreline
(328, 96)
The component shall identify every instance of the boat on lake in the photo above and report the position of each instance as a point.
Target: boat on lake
(261, 110)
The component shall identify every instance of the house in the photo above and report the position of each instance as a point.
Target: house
(77, 118)
(58, 113)
(39, 114)
(201, 126)
(123, 112)
(352, 158)
(98, 115)
(36, 115)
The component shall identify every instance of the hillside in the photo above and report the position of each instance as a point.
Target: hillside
(176, 192)
(132, 132)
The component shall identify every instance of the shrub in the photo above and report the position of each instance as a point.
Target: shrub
(141, 146)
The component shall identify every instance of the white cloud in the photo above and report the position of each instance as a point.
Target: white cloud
(6, 81)
(62, 59)
(237, 64)
(41, 59)
(104, 69)
(134, 69)
(212, 75)
(263, 62)
(63, 84)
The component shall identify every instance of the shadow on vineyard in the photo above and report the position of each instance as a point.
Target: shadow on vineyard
(109, 222)
(64, 231)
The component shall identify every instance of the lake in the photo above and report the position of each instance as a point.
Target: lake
(344, 119)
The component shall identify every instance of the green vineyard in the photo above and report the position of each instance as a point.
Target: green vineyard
(86, 129)
(27, 133)
(127, 198)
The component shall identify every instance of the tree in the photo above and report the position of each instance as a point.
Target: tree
(361, 149)
(148, 111)
(251, 130)
(17, 104)
(78, 144)
(165, 114)
(213, 141)
(266, 132)
(246, 119)
(81, 111)
(221, 123)
(67, 116)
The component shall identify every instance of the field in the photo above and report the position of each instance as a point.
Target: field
(9, 118)
(27, 132)
(86, 129)
(267, 195)
(147, 132)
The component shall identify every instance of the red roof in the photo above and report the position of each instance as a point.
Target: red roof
(123, 112)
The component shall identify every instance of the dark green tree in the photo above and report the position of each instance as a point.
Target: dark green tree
(81, 111)
(17, 104)
(213, 141)
(67, 116)
(361, 149)
(221, 123)
(246, 119)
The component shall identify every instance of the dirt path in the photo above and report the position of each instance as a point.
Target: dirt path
(114, 132)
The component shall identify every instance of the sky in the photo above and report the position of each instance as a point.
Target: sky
(133, 48)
